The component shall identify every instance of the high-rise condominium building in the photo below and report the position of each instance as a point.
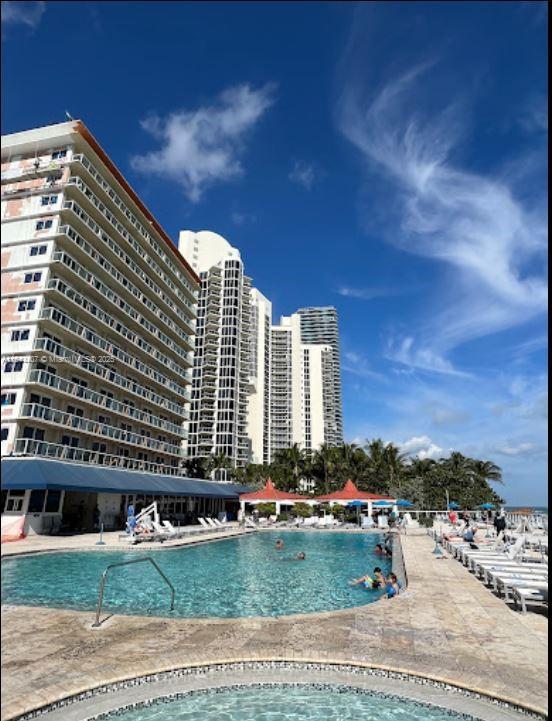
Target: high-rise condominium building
(320, 325)
(222, 375)
(258, 402)
(301, 389)
(98, 311)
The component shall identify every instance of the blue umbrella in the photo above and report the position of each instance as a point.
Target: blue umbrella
(355, 504)
(382, 503)
(453, 506)
(404, 503)
(487, 506)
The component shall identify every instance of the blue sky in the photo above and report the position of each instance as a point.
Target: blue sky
(385, 158)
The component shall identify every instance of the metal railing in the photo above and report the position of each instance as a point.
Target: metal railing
(97, 623)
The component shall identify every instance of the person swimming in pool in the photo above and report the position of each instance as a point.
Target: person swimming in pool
(279, 544)
(301, 556)
(377, 580)
(393, 586)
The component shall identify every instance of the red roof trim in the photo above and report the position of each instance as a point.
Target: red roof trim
(270, 493)
(83, 131)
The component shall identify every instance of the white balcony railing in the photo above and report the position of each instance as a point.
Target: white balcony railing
(31, 447)
(74, 390)
(72, 422)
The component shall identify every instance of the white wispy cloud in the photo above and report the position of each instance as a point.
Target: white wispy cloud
(304, 174)
(201, 147)
(488, 239)
(422, 447)
(22, 13)
(242, 218)
(367, 293)
(521, 449)
(357, 364)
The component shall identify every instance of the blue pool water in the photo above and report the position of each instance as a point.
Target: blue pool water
(284, 703)
(243, 576)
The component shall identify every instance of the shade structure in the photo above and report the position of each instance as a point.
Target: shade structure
(350, 492)
(271, 494)
(453, 506)
(356, 504)
(487, 506)
(49, 474)
(383, 503)
(403, 503)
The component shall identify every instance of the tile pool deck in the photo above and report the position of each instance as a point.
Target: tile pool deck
(448, 627)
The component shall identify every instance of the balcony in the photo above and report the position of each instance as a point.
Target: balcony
(102, 211)
(69, 421)
(92, 281)
(132, 219)
(86, 395)
(116, 249)
(30, 447)
(105, 319)
(62, 320)
(69, 356)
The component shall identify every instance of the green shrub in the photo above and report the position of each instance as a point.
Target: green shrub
(426, 521)
(303, 510)
(266, 509)
(283, 517)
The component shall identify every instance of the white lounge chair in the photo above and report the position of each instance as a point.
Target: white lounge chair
(530, 594)
(204, 524)
(218, 524)
(211, 522)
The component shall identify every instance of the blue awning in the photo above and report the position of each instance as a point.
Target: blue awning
(45, 474)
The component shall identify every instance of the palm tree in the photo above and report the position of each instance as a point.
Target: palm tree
(323, 464)
(217, 462)
(292, 461)
(486, 470)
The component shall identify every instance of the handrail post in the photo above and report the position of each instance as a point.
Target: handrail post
(103, 578)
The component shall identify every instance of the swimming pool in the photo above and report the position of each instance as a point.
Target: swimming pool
(244, 576)
(285, 703)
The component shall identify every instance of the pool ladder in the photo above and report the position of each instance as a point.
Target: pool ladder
(103, 578)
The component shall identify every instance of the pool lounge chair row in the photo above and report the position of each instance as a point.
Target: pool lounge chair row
(507, 568)
(165, 531)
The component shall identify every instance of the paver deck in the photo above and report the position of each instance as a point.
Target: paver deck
(447, 626)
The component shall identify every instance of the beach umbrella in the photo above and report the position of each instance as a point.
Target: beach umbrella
(487, 506)
(453, 506)
(402, 503)
(380, 504)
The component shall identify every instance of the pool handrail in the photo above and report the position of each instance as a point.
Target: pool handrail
(97, 623)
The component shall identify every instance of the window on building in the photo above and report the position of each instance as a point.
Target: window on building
(53, 500)
(13, 366)
(57, 154)
(24, 305)
(44, 224)
(32, 277)
(15, 500)
(7, 399)
(22, 334)
(48, 200)
(5, 433)
(36, 501)
(38, 249)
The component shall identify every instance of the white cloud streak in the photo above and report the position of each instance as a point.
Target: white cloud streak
(422, 447)
(204, 146)
(22, 13)
(471, 223)
(303, 174)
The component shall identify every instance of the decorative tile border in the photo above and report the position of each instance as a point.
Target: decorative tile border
(334, 688)
(252, 666)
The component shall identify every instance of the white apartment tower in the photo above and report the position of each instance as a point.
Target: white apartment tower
(222, 375)
(258, 415)
(320, 325)
(301, 389)
(98, 311)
